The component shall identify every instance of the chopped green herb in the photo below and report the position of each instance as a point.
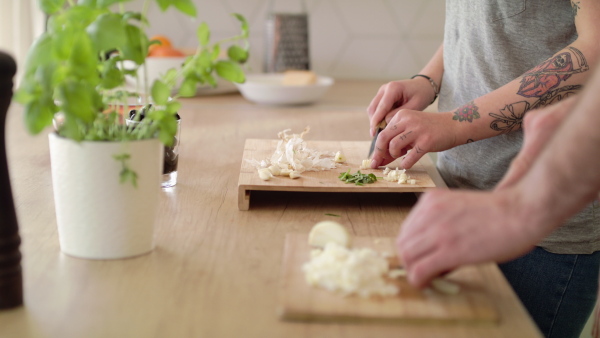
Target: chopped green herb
(358, 178)
(334, 215)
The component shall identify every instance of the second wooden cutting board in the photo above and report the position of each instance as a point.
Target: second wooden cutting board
(299, 301)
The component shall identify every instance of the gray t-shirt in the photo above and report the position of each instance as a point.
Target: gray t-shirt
(486, 45)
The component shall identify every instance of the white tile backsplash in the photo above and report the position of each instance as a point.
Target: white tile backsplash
(349, 39)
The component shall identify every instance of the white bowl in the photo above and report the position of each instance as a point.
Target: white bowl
(268, 89)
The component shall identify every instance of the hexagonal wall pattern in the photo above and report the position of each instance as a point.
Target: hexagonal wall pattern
(349, 39)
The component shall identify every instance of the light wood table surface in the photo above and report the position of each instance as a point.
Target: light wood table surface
(215, 270)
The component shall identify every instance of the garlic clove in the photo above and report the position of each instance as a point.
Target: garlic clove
(264, 174)
(329, 231)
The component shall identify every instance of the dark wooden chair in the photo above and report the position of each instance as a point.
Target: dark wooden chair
(11, 278)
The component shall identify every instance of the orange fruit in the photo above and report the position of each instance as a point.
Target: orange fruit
(163, 42)
(162, 51)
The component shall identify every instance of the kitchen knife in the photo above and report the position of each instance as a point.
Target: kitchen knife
(380, 127)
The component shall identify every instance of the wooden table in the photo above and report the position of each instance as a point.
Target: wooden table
(215, 270)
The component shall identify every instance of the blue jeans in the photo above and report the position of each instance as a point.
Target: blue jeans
(559, 291)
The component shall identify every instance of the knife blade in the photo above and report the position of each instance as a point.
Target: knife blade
(380, 127)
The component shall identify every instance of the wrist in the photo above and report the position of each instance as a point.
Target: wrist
(434, 85)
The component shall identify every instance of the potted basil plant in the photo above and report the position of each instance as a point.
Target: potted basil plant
(105, 174)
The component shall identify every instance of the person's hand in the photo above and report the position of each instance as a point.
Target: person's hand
(538, 127)
(422, 132)
(450, 228)
(407, 94)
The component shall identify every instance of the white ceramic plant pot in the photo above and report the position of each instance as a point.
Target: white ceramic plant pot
(98, 217)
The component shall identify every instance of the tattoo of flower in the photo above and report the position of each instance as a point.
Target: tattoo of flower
(468, 112)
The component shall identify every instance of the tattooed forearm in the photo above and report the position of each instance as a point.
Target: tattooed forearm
(555, 96)
(468, 112)
(511, 116)
(548, 75)
(575, 7)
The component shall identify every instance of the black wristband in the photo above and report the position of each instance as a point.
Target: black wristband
(436, 88)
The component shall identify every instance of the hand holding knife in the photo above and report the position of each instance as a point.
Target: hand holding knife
(381, 126)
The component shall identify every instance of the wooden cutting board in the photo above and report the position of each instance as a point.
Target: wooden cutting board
(300, 302)
(322, 181)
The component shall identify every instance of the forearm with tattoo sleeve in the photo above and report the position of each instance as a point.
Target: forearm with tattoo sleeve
(560, 76)
(566, 175)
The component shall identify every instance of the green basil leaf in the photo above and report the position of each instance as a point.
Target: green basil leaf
(62, 45)
(208, 78)
(51, 6)
(77, 100)
(170, 76)
(82, 61)
(203, 34)
(112, 77)
(185, 7)
(107, 3)
(204, 62)
(39, 54)
(108, 32)
(88, 3)
(216, 52)
(160, 92)
(237, 54)
(188, 87)
(134, 15)
(173, 107)
(133, 49)
(244, 23)
(230, 71)
(38, 115)
(164, 4)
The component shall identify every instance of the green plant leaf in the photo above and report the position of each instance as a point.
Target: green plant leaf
(208, 78)
(160, 92)
(88, 3)
(51, 6)
(62, 45)
(186, 7)
(230, 71)
(39, 54)
(77, 100)
(216, 51)
(38, 115)
(75, 18)
(203, 34)
(244, 24)
(112, 77)
(170, 77)
(237, 54)
(164, 4)
(82, 61)
(107, 32)
(168, 130)
(173, 107)
(188, 87)
(204, 62)
(133, 50)
(107, 3)
(134, 15)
